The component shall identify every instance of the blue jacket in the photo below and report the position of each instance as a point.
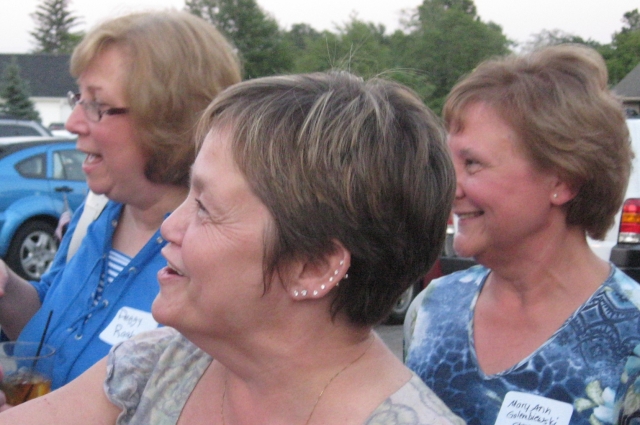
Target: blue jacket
(67, 290)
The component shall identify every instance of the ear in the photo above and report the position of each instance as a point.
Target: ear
(315, 279)
(562, 192)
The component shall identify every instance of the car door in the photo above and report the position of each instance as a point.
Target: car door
(66, 178)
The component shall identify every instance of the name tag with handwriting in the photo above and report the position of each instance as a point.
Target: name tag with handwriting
(127, 323)
(529, 409)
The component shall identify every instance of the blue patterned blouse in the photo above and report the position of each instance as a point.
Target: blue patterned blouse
(580, 364)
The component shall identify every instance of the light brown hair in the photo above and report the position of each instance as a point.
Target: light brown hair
(556, 99)
(177, 64)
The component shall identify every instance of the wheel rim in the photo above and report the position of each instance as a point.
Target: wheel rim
(37, 253)
(403, 302)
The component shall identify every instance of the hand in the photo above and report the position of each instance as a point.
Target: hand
(3, 400)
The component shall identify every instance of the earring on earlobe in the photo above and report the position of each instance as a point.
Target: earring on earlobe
(295, 293)
(555, 196)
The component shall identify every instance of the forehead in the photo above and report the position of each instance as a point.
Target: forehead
(215, 162)
(105, 72)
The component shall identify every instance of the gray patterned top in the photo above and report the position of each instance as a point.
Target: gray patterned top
(151, 376)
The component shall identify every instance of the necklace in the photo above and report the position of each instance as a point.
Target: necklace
(224, 392)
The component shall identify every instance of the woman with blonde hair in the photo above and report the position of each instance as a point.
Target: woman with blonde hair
(144, 79)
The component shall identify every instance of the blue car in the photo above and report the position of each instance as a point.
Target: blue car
(40, 178)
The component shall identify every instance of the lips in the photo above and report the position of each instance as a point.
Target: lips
(467, 215)
(92, 158)
(171, 269)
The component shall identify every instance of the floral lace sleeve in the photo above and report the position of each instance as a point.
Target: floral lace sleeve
(129, 366)
(413, 403)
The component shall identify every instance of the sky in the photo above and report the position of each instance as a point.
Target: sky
(519, 19)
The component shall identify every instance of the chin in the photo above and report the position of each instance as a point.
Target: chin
(163, 313)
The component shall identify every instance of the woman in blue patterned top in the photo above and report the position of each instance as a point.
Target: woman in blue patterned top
(539, 332)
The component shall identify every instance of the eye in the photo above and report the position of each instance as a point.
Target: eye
(200, 207)
(471, 165)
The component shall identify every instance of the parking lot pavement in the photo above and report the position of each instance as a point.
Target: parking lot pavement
(392, 336)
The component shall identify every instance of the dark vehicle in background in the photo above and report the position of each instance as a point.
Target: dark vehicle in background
(402, 305)
(39, 177)
(13, 127)
(622, 244)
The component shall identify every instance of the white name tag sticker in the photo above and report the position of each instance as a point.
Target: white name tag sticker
(529, 409)
(127, 323)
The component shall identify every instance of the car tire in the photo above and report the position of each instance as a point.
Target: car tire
(401, 306)
(32, 249)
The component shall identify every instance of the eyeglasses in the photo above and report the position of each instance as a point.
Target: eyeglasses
(92, 108)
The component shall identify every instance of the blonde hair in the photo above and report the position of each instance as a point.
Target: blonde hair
(177, 64)
(556, 99)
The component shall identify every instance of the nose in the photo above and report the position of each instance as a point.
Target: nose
(173, 227)
(459, 190)
(459, 180)
(77, 122)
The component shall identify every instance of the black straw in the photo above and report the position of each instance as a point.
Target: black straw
(44, 333)
(35, 360)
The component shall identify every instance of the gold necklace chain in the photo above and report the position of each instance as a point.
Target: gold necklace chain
(313, 409)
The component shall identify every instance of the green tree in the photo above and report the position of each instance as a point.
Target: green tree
(555, 37)
(53, 32)
(261, 44)
(300, 36)
(359, 47)
(623, 54)
(15, 92)
(445, 41)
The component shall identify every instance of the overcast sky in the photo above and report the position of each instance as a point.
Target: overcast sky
(595, 19)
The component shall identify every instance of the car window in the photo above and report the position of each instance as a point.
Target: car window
(34, 167)
(67, 165)
(17, 130)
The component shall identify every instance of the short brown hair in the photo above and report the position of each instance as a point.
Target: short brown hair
(336, 158)
(177, 64)
(556, 99)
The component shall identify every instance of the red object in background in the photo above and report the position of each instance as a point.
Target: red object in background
(434, 273)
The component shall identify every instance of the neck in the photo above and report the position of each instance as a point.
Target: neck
(564, 267)
(149, 210)
(326, 387)
(288, 384)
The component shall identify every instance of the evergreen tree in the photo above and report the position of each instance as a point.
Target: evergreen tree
(15, 92)
(54, 22)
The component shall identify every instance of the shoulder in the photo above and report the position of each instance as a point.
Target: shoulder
(627, 289)
(415, 403)
(131, 363)
(455, 290)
